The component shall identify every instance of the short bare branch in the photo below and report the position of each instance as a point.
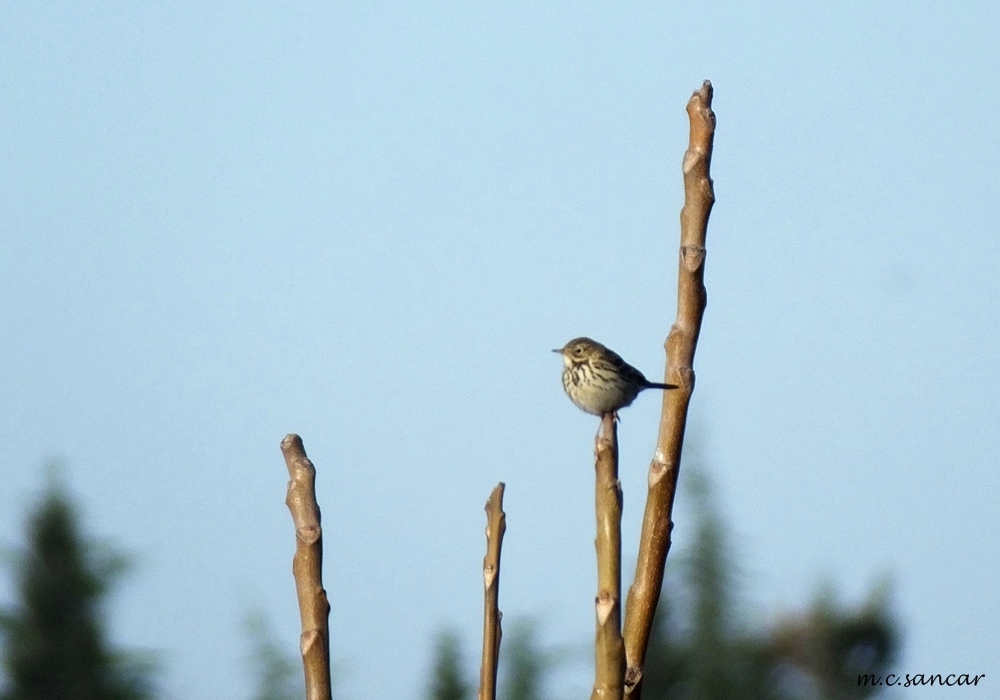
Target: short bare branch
(496, 525)
(307, 567)
(608, 648)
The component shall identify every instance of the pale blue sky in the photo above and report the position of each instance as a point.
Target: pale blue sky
(369, 224)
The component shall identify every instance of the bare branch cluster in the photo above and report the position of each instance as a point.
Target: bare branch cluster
(620, 651)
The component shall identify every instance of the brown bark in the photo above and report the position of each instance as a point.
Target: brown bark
(307, 567)
(654, 544)
(608, 647)
(496, 525)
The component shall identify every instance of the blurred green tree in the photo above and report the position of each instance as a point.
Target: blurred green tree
(701, 650)
(55, 645)
(278, 673)
(447, 681)
(523, 663)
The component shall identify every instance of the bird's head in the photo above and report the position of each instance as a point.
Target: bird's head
(579, 350)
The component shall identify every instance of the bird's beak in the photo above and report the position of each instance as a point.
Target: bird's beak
(559, 350)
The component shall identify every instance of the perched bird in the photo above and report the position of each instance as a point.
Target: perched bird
(598, 380)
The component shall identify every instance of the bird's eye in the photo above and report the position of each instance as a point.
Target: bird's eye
(577, 350)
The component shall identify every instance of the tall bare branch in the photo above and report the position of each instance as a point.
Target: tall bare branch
(680, 346)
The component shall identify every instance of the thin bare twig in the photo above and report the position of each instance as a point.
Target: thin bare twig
(307, 567)
(496, 525)
(680, 346)
(608, 648)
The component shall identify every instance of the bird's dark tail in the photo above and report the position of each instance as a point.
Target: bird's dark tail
(657, 385)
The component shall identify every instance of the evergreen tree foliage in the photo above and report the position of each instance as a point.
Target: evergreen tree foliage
(700, 650)
(447, 680)
(278, 674)
(821, 653)
(523, 662)
(55, 644)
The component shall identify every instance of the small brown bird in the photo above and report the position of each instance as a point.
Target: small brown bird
(598, 380)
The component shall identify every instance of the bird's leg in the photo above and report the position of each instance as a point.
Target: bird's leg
(600, 427)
